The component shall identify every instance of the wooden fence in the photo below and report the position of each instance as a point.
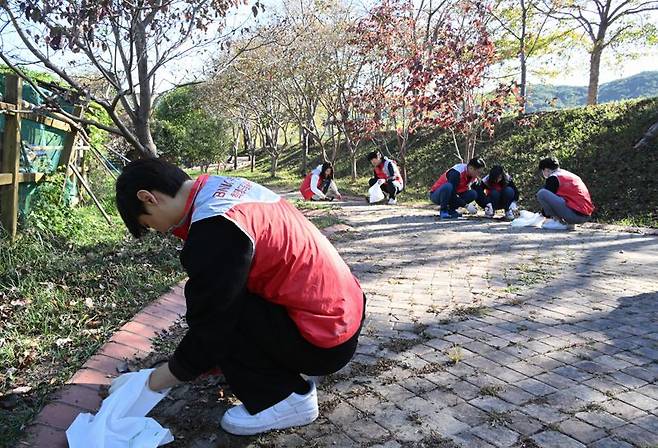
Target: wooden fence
(14, 110)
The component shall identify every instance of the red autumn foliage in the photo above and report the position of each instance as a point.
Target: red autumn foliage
(413, 82)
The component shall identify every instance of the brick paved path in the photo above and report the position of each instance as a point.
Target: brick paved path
(480, 335)
(477, 335)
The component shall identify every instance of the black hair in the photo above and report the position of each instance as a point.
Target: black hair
(145, 174)
(497, 171)
(325, 167)
(549, 162)
(477, 163)
(374, 155)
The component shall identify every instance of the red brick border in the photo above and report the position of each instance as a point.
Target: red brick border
(80, 394)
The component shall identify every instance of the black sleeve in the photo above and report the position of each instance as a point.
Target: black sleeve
(478, 186)
(552, 184)
(391, 171)
(217, 257)
(516, 190)
(453, 177)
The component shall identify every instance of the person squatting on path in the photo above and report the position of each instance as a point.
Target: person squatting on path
(497, 191)
(565, 200)
(387, 174)
(268, 297)
(319, 184)
(453, 189)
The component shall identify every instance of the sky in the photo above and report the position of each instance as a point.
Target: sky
(575, 72)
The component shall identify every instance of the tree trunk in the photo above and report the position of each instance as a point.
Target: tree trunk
(648, 137)
(274, 160)
(143, 133)
(143, 109)
(304, 138)
(522, 56)
(236, 143)
(594, 68)
(253, 157)
(353, 159)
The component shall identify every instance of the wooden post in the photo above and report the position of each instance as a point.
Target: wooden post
(11, 156)
(67, 152)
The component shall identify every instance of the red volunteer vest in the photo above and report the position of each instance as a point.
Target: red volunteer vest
(305, 188)
(381, 171)
(465, 180)
(575, 193)
(294, 265)
(493, 186)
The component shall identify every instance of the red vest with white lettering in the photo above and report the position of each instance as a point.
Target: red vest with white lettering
(575, 193)
(465, 180)
(305, 188)
(294, 265)
(382, 170)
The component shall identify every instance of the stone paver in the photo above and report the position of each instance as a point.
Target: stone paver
(500, 337)
(478, 335)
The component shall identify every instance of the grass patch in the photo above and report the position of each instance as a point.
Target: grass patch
(496, 418)
(455, 354)
(592, 407)
(322, 222)
(467, 311)
(66, 284)
(491, 390)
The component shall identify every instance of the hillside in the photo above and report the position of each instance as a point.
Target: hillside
(548, 97)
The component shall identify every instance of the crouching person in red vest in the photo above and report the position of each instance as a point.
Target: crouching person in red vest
(319, 184)
(453, 189)
(268, 297)
(497, 191)
(387, 174)
(564, 199)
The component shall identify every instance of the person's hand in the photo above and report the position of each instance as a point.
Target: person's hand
(162, 378)
(339, 197)
(381, 181)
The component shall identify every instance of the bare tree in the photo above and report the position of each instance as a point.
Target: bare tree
(127, 43)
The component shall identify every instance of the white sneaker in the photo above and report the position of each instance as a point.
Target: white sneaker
(509, 215)
(513, 206)
(551, 224)
(489, 211)
(471, 209)
(296, 410)
(392, 201)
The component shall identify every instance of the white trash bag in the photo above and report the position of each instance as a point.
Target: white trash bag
(528, 219)
(121, 421)
(375, 193)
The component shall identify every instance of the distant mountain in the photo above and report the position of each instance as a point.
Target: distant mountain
(549, 97)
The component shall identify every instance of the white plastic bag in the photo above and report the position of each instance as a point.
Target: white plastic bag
(375, 193)
(121, 421)
(528, 219)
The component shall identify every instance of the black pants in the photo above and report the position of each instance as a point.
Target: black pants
(387, 187)
(268, 354)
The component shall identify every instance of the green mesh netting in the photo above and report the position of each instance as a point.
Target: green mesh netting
(41, 147)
